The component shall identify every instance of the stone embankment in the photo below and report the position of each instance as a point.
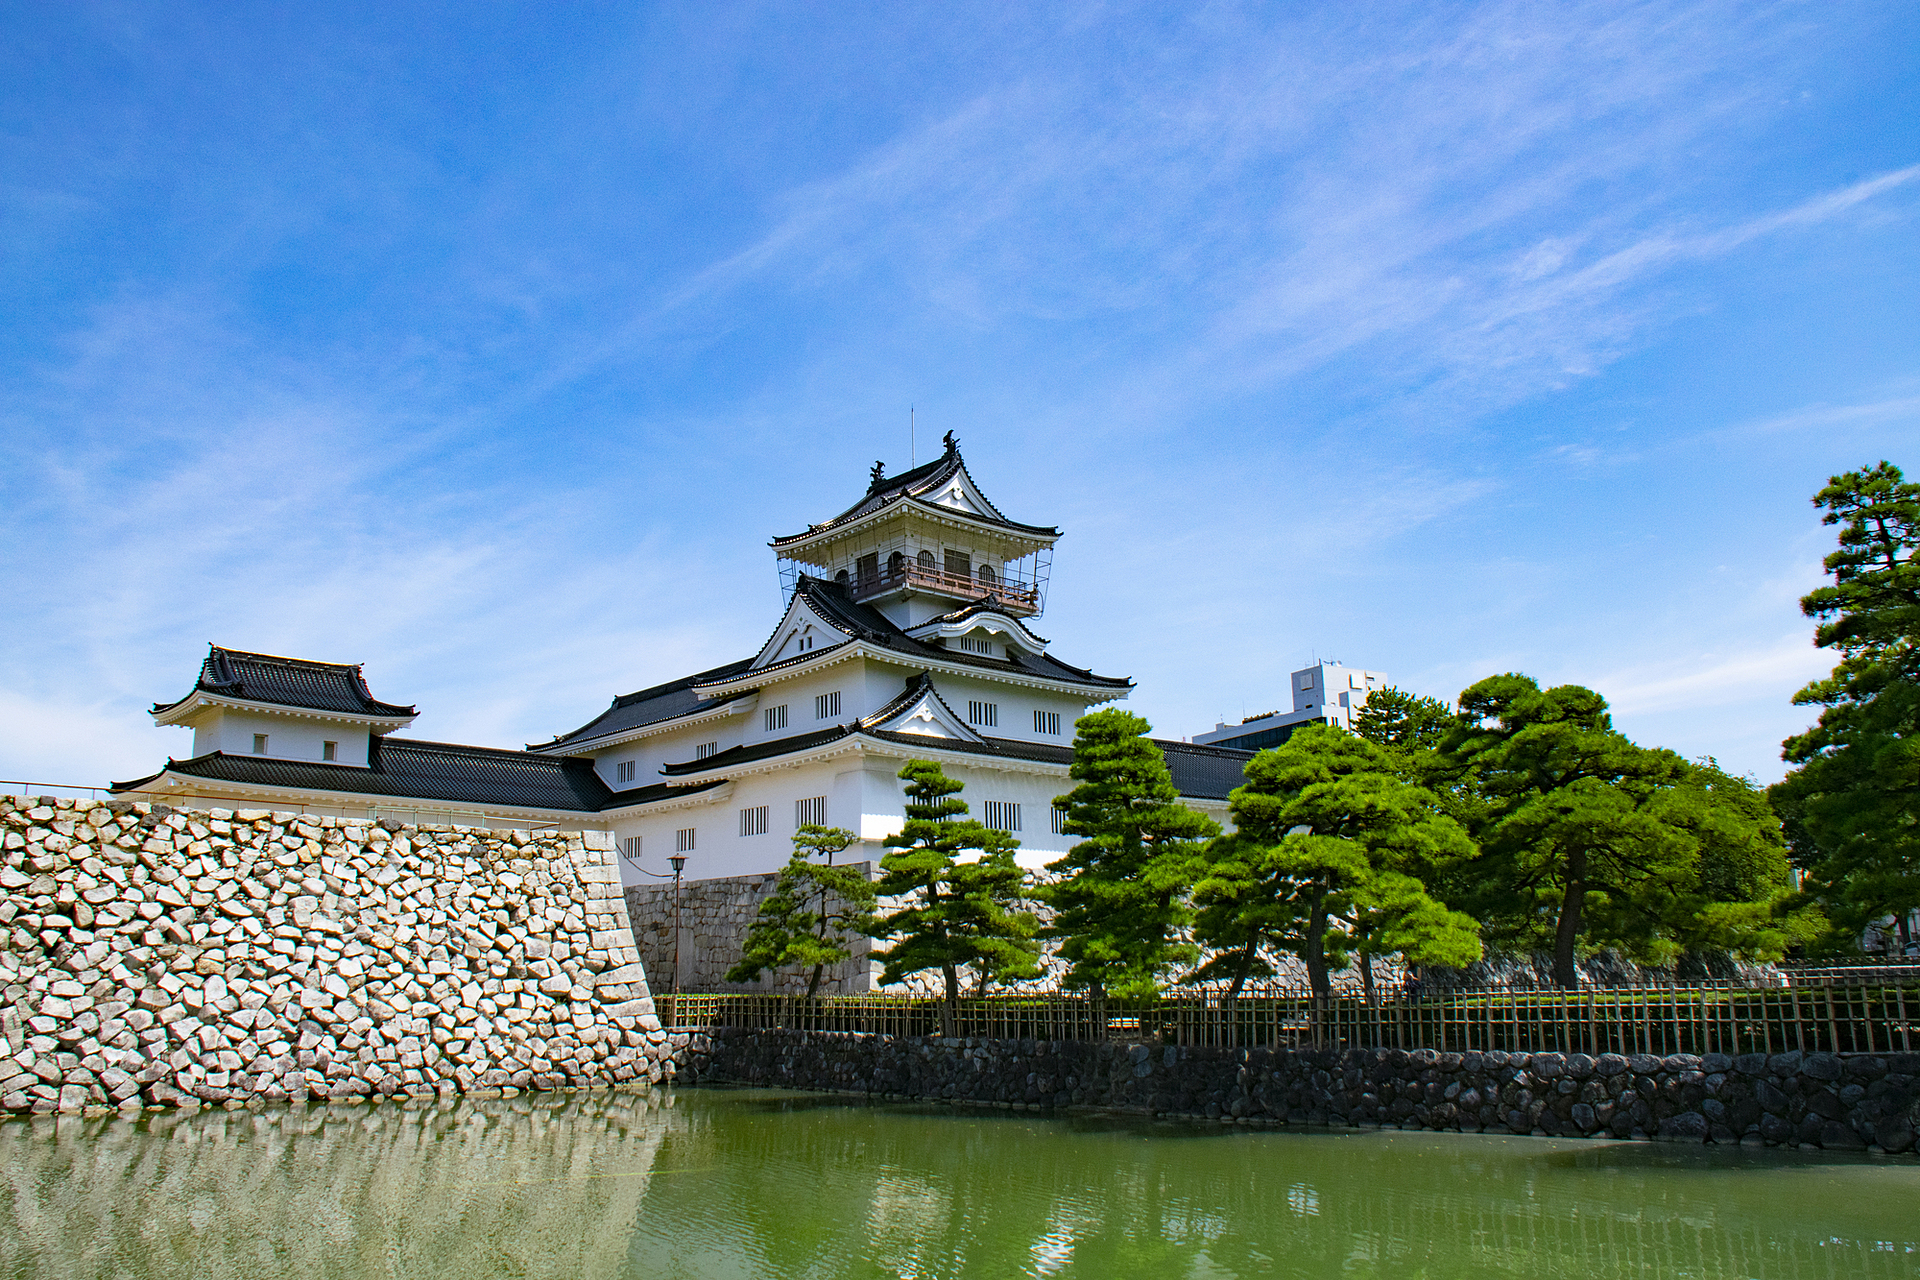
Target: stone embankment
(158, 957)
(1847, 1102)
(715, 916)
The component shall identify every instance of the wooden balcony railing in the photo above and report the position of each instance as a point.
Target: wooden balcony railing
(1016, 598)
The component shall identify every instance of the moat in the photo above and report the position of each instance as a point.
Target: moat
(708, 1182)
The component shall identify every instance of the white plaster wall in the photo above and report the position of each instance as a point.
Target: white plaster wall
(864, 794)
(288, 737)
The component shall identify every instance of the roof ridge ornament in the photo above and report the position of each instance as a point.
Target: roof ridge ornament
(953, 446)
(877, 476)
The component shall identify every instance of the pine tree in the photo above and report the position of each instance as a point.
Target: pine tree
(1120, 910)
(956, 914)
(1852, 806)
(1610, 841)
(1329, 837)
(812, 913)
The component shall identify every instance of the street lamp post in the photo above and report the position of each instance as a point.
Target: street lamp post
(679, 864)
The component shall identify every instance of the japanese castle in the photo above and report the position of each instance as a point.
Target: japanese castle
(908, 633)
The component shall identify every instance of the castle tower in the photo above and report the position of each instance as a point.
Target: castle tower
(920, 545)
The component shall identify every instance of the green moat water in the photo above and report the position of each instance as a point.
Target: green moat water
(719, 1183)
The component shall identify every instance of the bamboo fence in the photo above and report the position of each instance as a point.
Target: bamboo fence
(1835, 1016)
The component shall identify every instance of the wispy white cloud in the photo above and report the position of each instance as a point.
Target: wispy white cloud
(1877, 413)
(1700, 682)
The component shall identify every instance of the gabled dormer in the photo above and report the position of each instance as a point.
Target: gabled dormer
(917, 545)
(805, 629)
(921, 710)
(283, 708)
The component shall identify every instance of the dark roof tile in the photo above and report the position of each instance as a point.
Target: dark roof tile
(288, 682)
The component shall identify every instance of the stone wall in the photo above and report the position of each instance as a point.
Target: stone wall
(714, 918)
(1818, 1099)
(158, 957)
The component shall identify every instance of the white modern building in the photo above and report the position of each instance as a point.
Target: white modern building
(1324, 693)
(908, 633)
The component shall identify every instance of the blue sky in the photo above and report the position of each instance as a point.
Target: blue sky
(488, 345)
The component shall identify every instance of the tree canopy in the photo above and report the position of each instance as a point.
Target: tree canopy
(954, 914)
(812, 914)
(1120, 909)
(1329, 844)
(1602, 841)
(1852, 804)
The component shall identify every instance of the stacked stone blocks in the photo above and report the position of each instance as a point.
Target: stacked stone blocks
(157, 957)
(1831, 1101)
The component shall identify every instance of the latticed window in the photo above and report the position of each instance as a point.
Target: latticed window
(623, 772)
(976, 644)
(810, 812)
(683, 840)
(705, 749)
(753, 822)
(630, 848)
(1059, 820)
(826, 705)
(1047, 722)
(1003, 815)
(776, 718)
(986, 713)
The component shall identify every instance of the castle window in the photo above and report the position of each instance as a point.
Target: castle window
(896, 563)
(1059, 821)
(328, 750)
(986, 713)
(925, 559)
(841, 577)
(705, 749)
(977, 644)
(753, 822)
(683, 840)
(867, 570)
(630, 848)
(259, 744)
(959, 564)
(987, 576)
(776, 718)
(810, 812)
(826, 705)
(623, 772)
(1047, 722)
(1003, 815)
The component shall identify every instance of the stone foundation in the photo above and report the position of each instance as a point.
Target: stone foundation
(1849, 1102)
(158, 957)
(714, 918)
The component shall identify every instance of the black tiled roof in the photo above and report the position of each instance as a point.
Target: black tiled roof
(1261, 739)
(656, 791)
(864, 623)
(1206, 772)
(288, 682)
(767, 750)
(988, 605)
(650, 706)
(1006, 748)
(404, 768)
(890, 489)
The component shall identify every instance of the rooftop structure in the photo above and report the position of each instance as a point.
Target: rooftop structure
(906, 633)
(1324, 693)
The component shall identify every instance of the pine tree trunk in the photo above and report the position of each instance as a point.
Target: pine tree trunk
(1366, 977)
(813, 983)
(950, 1008)
(1565, 975)
(1315, 953)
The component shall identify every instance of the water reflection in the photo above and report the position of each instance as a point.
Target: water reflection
(753, 1184)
